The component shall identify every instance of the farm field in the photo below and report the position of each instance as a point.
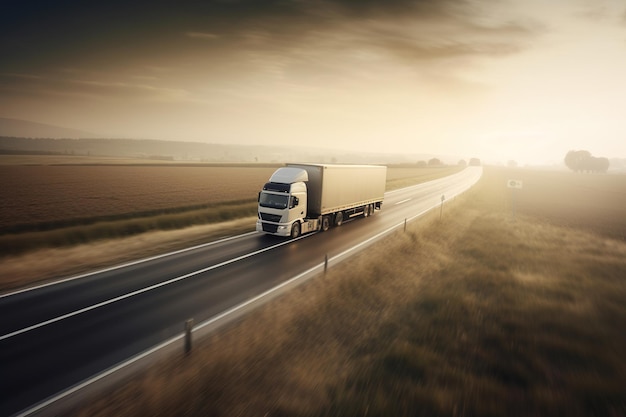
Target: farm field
(594, 202)
(486, 312)
(47, 194)
(38, 194)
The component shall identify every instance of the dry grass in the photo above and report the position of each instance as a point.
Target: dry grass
(72, 236)
(593, 202)
(478, 315)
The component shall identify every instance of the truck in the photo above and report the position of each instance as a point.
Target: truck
(303, 198)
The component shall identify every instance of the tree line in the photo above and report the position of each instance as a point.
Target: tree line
(583, 161)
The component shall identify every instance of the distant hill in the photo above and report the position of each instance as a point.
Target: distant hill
(192, 151)
(26, 129)
(140, 148)
(25, 137)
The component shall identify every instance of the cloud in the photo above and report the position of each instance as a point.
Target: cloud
(219, 46)
(437, 50)
(202, 35)
(115, 34)
(410, 30)
(45, 87)
(20, 76)
(127, 90)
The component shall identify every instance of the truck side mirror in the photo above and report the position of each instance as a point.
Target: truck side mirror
(258, 197)
(294, 202)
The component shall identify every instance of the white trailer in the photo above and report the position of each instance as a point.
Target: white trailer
(301, 198)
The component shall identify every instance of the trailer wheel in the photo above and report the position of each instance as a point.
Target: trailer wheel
(372, 209)
(338, 219)
(325, 223)
(295, 230)
(366, 211)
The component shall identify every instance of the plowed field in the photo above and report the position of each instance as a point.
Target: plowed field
(44, 194)
(40, 194)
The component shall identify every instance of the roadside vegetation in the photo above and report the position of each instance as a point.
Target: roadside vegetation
(116, 227)
(486, 312)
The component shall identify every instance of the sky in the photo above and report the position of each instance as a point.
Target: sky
(496, 79)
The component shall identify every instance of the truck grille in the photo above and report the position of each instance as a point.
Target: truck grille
(271, 228)
(270, 217)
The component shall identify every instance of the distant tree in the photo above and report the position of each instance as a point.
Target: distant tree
(583, 161)
(512, 164)
(577, 160)
(421, 164)
(462, 163)
(434, 162)
(474, 162)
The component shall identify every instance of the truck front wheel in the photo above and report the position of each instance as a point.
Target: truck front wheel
(325, 223)
(295, 230)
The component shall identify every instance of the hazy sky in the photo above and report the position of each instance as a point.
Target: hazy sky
(497, 79)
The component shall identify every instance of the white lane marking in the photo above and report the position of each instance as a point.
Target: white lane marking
(113, 268)
(146, 289)
(403, 201)
(174, 339)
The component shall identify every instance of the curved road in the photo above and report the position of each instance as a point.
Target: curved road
(55, 336)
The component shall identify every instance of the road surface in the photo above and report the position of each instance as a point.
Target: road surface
(55, 336)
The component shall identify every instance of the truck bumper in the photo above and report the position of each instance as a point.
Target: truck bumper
(273, 228)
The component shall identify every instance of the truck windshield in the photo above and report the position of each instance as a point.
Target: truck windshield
(273, 200)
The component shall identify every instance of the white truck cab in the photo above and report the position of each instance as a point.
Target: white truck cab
(283, 203)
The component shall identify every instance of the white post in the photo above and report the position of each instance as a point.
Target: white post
(443, 197)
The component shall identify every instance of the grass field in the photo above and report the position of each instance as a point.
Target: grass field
(479, 314)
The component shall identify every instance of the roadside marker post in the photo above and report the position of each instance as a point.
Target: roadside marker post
(443, 198)
(188, 330)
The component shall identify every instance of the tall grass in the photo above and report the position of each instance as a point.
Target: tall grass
(480, 314)
(123, 226)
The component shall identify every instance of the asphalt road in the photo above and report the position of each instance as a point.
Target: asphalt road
(56, 336)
